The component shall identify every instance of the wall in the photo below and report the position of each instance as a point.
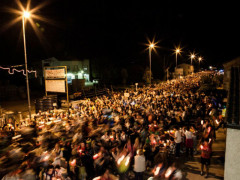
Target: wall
(232, 157)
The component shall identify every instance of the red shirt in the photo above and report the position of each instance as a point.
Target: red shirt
(206, 151)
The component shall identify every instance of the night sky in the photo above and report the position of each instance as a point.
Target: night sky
(117, 30)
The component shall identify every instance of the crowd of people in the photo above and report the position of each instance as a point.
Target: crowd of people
(125, 135)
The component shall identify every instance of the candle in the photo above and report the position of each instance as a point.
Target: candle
(127, 161)
(73, 162)
(120, 159)
(157, 171)
(168, 173)
(95, 156)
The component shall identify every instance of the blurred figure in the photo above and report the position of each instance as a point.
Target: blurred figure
(178, 140)
(205, 156)
(189, 142)
(139, 165)
(49, 174)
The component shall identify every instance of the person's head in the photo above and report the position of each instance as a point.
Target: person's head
(205, 141)
(50, 169)
(57, 168)
(82, 145)
(57, 146)
(176, 128)
(139, 152)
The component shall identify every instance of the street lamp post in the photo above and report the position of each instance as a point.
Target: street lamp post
(151, 46)
(25, 16)
(192, 57)
(199, 60)
(177, 51)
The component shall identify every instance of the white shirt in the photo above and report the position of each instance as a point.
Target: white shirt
(178, 137)
(139, 163)
(188, 135)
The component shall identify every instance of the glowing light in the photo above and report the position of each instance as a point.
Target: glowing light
(168, 173)
(120, 159)
(46, 158)
(95, 156)
(15, 137)
(209, 129)
(151, 45)
(127, 161)
(217, 121)
(178, 50)
(201, 122)
(201, 147)
(22, 70)
(154, 141)
(73, 162)
(26, 14)
(71, 75)
(200, 59)
(192, 56)
(157, 171)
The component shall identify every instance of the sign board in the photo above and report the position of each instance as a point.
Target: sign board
(55, 86)
(56, 80)
(55, 73)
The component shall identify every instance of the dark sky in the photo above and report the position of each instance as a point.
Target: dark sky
(117, 30)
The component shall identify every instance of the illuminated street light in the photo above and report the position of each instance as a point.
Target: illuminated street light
(26, 14)
(199, 60)
(151, 46)
(192, 56)
(177, 51)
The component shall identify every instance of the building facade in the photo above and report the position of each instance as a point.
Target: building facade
(232, 85)
(76, 69)
(183, 70)
(227, 70)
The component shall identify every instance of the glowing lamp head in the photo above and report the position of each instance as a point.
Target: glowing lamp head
(177, 51)
(192, 56)
(199, 58)
(151, 45)
(26, 14)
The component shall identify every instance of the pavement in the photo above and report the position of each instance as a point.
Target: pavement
(191, 168)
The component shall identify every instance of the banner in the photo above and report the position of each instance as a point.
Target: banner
(55, 86)
(55, 73)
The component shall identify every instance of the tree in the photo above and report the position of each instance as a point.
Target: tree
(146, 75)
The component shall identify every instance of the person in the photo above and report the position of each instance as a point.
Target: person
(50, 173)
(178, 140)
(189, 142)
(58, 154)
(205, 156)
(139, 164)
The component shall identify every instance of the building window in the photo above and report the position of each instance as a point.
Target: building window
(75, 68)
(46, 64)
